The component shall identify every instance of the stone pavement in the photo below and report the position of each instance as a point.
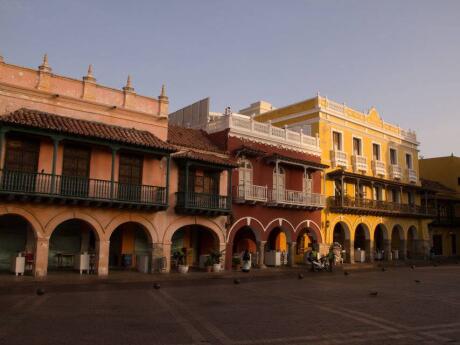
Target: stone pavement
(322, 308)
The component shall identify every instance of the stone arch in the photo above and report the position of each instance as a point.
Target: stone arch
(381, 242)
(310, 225)
(60, 218)
(29, 217)
(412, 238)
(121, 219)
(362, 241)
(183, 221)
(398, 241)
(252, 222)
(341, 234)
(283, 224)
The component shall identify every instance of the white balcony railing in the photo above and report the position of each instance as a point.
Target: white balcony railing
(339, 159)
(359, 163)
(395, 172)
(246, 125)
(379, 168)
(295, 197)
(251, 192)
(412, 175)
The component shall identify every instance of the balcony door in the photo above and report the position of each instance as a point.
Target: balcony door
(279, 183)
(21, 165)
(75, 171)
(245, 179)
(130, 177)
(307, 183)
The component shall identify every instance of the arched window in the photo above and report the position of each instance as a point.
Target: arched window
(245, 173)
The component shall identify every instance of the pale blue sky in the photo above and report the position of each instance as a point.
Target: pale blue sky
(401, 56)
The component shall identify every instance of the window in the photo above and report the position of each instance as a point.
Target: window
(357, 150)
(22, 155)
(245, 173)
(408, 161)
(410, 198)
(279, 179)
(205, 182)
(75, 171)
(395, 196)
(307, 182)
(361, 192)
(129, 177)
(376, 152)
(393, 157)
(337, 141)
(377, 193)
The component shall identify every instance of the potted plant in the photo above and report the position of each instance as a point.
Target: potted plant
(236, 263)
(179, 256)
(215, 256)
(208, 264)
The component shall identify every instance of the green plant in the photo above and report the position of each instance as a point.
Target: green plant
(216, 255)
(179, 256)
(236, 261)
(208, 261)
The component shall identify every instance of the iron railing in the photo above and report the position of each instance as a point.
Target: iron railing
(79, 188)
(379, 206)
(203, 201)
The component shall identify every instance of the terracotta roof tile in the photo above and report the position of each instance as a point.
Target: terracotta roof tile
(62, 124)
(192, 138)
(205, 157)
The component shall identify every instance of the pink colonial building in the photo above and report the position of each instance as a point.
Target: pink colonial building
(90, 177)
(276, 189)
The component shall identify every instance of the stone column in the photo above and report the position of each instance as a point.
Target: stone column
(156, 255)
(102, 257)
(222, 248)
(261, 249)
(387, 250)
(369, 248)
(41, 257)
(291, 253)
(167, 255)
(349, 247)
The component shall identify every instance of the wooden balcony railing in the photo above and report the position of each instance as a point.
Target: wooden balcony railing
(78, 189)
(296, 198)
(196, 203)
(339, 159)
(250, 192)
(377, 207)
(378, 168)
(395, 171)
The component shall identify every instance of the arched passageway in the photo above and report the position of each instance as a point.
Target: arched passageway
(306, 240)
(196, 243)
(380, 236)
(73, 247)
(245, 239)
(17, 238)
(277, 247)
(412, 243)
(130, 248)
(362, 245)
(397, 243)
(341, 235)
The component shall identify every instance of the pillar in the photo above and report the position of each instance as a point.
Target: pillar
(291, 253)
(102, 252)
(369, 250)
(156, 255)
(350, 251)
(41, 257)
(261, 249)
(222, 249)
(387, 250)
(402, 249)
(167, 255)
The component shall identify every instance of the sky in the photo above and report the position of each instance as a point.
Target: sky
(403, 57)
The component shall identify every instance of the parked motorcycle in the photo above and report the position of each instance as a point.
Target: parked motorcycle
(321, 264)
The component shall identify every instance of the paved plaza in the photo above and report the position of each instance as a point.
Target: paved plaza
(412, 306)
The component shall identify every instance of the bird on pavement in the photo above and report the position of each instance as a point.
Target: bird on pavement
(373, 293)
(412, 266)
(383, 269)
(417, 281)
(346, 273)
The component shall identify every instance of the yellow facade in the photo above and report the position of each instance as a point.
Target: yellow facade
(321, 117)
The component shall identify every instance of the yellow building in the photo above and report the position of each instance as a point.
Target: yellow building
(441, 175)
(374, 192)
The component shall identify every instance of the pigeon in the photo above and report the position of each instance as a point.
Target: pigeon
(373, 293)
(383, 269)
(40, 291)
(346, 273)
(300, 276)
(417, 281)
(236, 281)
(156, 286)
(412, 266)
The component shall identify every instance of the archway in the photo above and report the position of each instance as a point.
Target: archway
(380, 235)
(277, 247)
(245, 239)
(306, 240)
(341, 235)
(196, 243)
(73, 246)
(17, 238)
(397, 243)
(411, 242)
(130, 248)
(362, 244)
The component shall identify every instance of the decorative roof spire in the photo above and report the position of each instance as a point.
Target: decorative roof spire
(45, 67)
(128, 87)
(163, 96)
(89, 76)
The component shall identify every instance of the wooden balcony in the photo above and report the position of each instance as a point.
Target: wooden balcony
(19, 185)
(378, 207)
(359, 163)
(250, 193)
(296, 199)
(202, 203)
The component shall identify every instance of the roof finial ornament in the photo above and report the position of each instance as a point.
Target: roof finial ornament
(128, 87)
(163, 90)
(45, 67)
(89, 76)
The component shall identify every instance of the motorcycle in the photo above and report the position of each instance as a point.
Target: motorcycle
(320, 265)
